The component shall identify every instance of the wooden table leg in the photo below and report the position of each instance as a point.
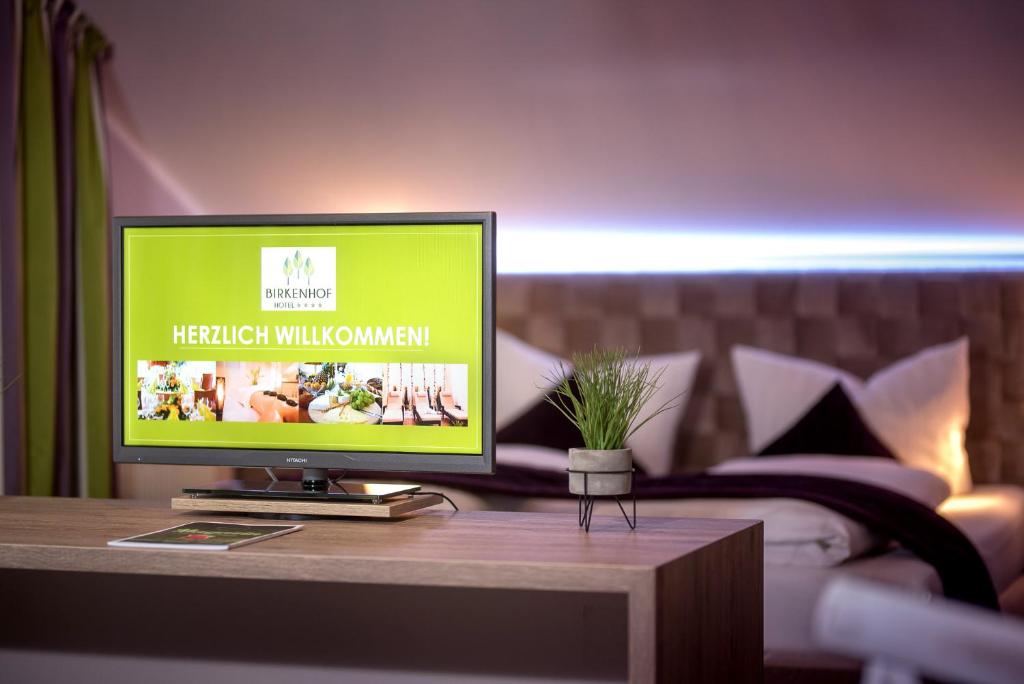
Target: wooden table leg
(643, 631)
(701, 617)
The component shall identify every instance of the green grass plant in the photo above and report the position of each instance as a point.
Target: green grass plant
(604, 393)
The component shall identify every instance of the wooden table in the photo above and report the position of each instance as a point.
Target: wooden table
(693, 587)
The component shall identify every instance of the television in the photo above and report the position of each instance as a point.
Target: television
(344, 341)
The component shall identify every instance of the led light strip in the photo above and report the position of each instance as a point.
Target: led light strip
(530, 250)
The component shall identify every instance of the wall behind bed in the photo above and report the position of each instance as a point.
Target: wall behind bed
(858, 322)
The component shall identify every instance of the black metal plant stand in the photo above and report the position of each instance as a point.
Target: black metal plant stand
(586, 500)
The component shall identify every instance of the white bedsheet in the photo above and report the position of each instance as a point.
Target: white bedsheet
(992, 516)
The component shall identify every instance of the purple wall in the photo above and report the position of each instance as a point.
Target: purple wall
(583, 112)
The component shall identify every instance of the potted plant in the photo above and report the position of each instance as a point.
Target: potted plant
(603, 395)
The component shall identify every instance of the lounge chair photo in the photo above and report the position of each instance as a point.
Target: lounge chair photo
(394, 412)
(456, 415)
(422, 412)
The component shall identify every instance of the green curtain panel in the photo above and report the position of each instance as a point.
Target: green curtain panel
(63, 228)
(38, 161)
(92, 265)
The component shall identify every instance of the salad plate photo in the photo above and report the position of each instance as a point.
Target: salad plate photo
(357, 407)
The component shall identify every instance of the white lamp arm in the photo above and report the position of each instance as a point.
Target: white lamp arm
(916, 633)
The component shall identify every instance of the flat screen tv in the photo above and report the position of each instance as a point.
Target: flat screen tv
(352, 341)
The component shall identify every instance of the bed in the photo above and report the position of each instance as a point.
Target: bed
(858, 323)
(991, 516)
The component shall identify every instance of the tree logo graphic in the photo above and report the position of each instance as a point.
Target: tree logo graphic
(294, 264)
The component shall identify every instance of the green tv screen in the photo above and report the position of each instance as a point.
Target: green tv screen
(302, 337)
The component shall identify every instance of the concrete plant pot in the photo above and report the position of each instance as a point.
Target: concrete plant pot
(609, 472)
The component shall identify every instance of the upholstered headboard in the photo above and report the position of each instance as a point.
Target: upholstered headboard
(858, 322)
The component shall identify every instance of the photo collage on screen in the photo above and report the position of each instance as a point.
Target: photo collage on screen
(326, 392)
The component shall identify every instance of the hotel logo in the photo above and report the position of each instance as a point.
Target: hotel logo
(298, 279)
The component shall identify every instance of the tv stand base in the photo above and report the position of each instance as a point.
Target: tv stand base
(396, 507)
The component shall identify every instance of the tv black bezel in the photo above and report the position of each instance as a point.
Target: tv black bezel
(305, 458)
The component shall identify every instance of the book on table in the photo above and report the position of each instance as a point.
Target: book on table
(205, 536)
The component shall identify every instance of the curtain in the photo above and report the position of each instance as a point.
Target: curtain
(55, 259)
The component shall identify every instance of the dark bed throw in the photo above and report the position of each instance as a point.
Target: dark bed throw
(912, 525)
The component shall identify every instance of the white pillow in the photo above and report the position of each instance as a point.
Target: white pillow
(521, 374)
(795, 532)
(654, 444)
(919, 406)
(532, 456)
(522, 381)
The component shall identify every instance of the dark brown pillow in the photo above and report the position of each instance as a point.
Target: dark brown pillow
(832, 426)
(544, 425)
